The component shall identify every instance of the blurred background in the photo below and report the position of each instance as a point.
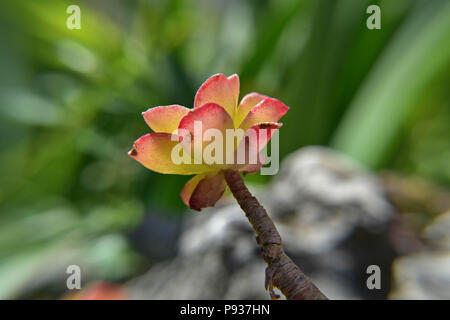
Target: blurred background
(70, 104)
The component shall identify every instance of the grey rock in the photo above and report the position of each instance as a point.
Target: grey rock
(422, 276)
(320, 202)
(426, 275)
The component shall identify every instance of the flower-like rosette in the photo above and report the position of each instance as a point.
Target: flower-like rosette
(216, 135)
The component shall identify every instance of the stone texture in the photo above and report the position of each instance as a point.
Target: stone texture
(331, 214)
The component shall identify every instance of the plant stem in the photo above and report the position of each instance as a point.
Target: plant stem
(281, 271)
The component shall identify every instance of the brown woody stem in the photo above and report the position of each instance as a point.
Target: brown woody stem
(281, 271)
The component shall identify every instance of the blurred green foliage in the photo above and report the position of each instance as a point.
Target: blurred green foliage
(70, 103)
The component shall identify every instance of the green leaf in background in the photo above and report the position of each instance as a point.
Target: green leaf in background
(417, 54)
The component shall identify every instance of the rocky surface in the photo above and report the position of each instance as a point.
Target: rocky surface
(332, 215)
(426, 274)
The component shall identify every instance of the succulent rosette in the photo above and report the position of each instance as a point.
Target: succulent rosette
(215, 107)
